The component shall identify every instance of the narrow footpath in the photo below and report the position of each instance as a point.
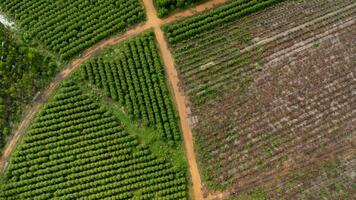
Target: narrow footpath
(153, 23)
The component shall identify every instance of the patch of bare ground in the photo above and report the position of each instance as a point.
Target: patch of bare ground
(331, 178)
(299, 108)
(282, 96)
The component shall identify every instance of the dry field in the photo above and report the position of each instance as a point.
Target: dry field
(273, 100)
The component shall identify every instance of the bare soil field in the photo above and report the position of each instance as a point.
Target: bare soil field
(274, 98)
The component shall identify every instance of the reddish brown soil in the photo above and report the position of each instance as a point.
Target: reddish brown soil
(298, 109)
(182, 110)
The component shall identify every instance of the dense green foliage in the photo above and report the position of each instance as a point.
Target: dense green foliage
(207, 20)
(76, 149)
(23, 71)
(164, 7)
(68, 27)
(146, 135)
(136, 79)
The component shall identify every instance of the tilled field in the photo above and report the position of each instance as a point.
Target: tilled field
(273, 95)
(332, 180)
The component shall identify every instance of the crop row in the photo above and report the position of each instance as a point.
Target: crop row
(70, 27)
(186, 29)
(82, 152)
(137, 80)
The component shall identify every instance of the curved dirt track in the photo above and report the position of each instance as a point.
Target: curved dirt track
(155, 23)
(48, 92)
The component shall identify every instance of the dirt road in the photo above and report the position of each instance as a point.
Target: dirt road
(182, 110)
(155, 23)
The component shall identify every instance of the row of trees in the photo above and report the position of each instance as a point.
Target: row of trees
(137, 80)
(186, 29)
(90, 162)
(72, 138)
(70, 27)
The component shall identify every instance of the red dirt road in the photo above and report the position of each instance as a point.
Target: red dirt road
(168, 60)
(155, 23)
(182, 110)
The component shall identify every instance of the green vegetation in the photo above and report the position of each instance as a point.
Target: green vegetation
(135, 78)
(214, 35)
(77, 149)
(68, 27)
(207, 77)
(165, 7)
(215, 17)
(24, 70)
(146, 136)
